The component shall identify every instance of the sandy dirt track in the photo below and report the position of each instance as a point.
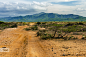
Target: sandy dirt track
(23, 43)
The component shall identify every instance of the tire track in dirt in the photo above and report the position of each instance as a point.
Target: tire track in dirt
(20, 43)
(25, 45)
(34, 49)
(17, 46)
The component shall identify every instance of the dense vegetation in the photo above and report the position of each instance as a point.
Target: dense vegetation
(44, 17)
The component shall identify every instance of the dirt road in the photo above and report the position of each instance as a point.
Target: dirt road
(23, 43)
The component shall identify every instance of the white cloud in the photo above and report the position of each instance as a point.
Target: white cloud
(16, 8)
(25, 7)
(33, 5)
(81, 9)
(41, 3)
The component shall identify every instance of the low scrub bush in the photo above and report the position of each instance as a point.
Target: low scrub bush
(38, 23)
(46, 36)
(31, 28)
(34, 28)
(15, 25)
(84, 37)
(27, 29)
(76, 23)
(44, 22)
(41, 32)
(70, 38)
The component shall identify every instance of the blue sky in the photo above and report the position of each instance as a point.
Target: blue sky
(29, 7)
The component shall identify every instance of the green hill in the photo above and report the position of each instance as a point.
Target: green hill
(44, 17)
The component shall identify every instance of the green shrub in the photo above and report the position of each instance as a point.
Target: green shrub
(46, 36)
(70, 38)
(38, 23)
(41, 32)
(84, 37)
(31, 28)
(34, 28)
(27, 29)
(80, 23)
(15, 25)
(44, 22)
(73, 28)
(84, 29)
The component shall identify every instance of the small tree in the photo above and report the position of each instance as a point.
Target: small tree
(55, 28)
(38, 23)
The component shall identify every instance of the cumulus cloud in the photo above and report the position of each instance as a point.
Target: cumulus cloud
(26, 7)
(15, 8)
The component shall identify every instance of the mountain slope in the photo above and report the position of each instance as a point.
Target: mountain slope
(43, 17)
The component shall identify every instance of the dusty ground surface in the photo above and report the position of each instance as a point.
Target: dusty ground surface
(23, 43)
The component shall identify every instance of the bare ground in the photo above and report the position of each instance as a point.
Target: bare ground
(23, 43)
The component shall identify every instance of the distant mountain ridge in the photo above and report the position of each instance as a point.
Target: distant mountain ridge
(43, 17)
